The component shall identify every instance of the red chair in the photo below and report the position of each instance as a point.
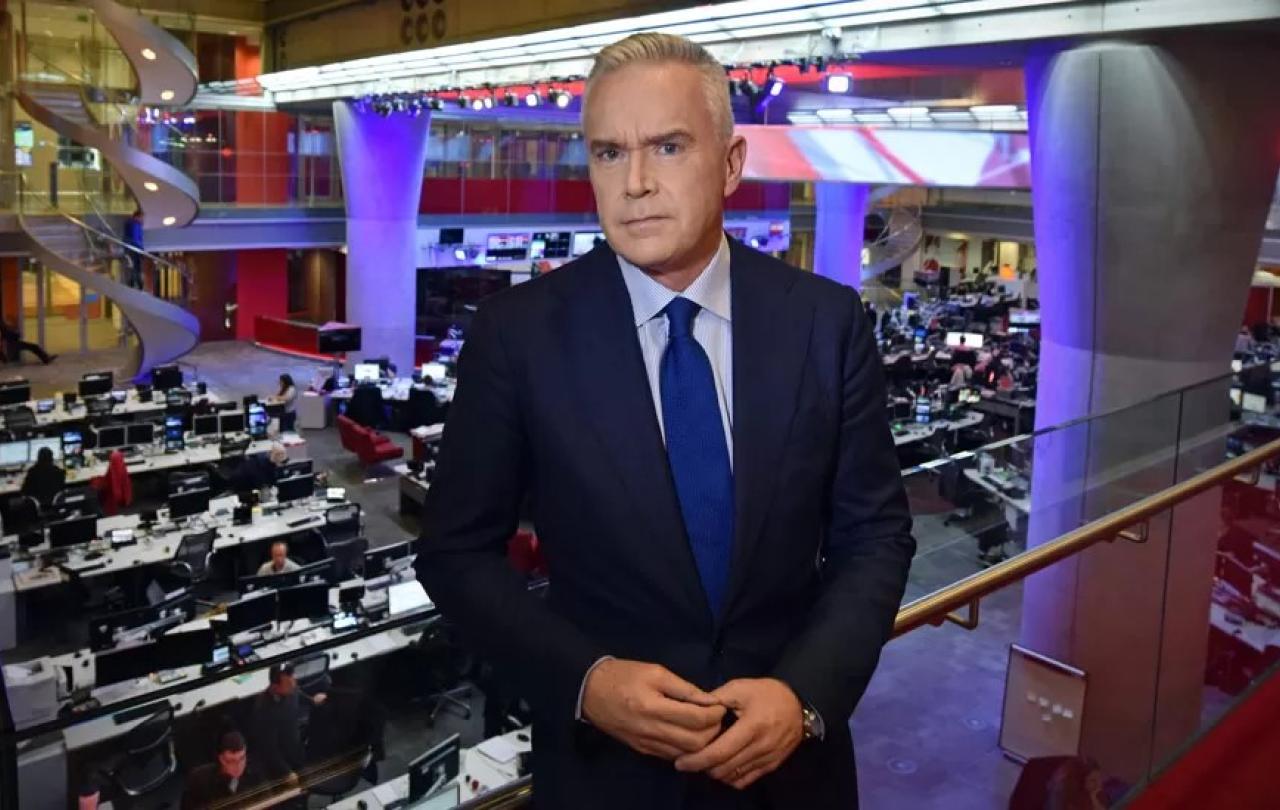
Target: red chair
(368, 444)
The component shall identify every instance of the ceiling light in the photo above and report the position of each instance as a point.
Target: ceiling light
(802, 118)
(477, 104)
(872, 118)
(150, 186)
(460, 254)
(488, 102)
(838, 83)
(169, 220)
(908, 112)
(835, 115)
(951, 115)
(532, 100)
(166, 95)
(775, 89)
(993, 109)
(563, 99)
(148, 54)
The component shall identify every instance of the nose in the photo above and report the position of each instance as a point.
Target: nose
(639, 180)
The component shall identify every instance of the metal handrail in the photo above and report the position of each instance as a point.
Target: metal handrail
(936, 607)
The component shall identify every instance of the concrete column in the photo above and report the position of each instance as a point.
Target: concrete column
(1152, 168)
(382, 164)
(840, 212)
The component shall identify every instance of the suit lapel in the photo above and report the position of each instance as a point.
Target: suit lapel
(770, 343)
(605, 361)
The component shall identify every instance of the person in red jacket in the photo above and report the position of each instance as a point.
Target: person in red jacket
(115, 489)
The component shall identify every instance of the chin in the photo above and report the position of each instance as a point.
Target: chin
(644, 253)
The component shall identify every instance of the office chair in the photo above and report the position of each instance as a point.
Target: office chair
(308, 547)
(445, 663)
(366, 407)
(77, 499)
(149, 758)
(348, 557)
(312, 675)
(342, 522)
(190, 565)
(21, 514)
(340, 777)
(423, 408)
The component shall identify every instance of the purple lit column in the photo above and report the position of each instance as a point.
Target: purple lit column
(382, 165)
(1153, 165)
(840, 212)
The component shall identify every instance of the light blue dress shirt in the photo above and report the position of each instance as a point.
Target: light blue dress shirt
(712, 328)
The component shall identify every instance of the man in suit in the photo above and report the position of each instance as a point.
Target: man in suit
(702, 430)
(231, 781)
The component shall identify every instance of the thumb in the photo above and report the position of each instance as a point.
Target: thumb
(733, 695)
(677, 688)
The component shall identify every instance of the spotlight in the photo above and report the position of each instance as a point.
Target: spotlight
(838, 83)
(477, 104)
(488, 102)
(562, 98)
(460, 254)
(532, 100)
(775, 87)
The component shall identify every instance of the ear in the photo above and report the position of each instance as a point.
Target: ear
(735, 162)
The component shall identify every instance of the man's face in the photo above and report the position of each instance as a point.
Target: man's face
(232, 763)
(279, 553)
(659, 168)
(286, 684)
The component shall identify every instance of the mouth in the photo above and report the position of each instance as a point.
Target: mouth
(642, 220)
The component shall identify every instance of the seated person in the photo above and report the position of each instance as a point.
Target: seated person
(279, 562)
(45, 479)
(276, 731)
(260, 469)
(961, 374)
(230, 781)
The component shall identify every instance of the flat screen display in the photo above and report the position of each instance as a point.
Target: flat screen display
(584, 241)
(551, 245)
(507, 247)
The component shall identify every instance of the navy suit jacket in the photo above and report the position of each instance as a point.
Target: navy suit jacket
(553, 402)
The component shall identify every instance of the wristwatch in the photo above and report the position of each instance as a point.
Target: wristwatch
(811, 723)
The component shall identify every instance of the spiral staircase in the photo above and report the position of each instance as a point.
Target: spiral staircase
(64, 102)
(900, 237)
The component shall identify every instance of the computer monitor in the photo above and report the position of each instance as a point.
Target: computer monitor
(186, 504)
(165, 377)
(432, 770)
(318, 571)
(124, 664)
(142, 433)
(969, 340)
(924, 410)
(295, 488)
(1236, 365)
(303, 466)
(257, 422)
(54, 443)
(435, 372)
(110, 436)
(251, 612)
(14, 454)
(206, 424)
(366, 372)
(302, 601)
(92, 385)
(14, 392)
(376, 560)
(72, 531)
(231, 422)
(1254, 403)
(349, 596)
(72, 446)
(174, 436)
(184, 648)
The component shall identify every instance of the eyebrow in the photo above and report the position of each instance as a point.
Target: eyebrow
(652, 140)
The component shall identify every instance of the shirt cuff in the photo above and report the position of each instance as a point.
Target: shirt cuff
(582, 689)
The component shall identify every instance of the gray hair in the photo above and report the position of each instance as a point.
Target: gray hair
(655, 47)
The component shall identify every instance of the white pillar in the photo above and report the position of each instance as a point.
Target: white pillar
(840, 216)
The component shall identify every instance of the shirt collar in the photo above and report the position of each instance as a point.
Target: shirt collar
(710, 290)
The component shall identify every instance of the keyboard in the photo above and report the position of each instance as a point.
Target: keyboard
(138, 712)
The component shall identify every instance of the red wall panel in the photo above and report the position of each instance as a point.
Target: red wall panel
(456, 195)
(262, 288)
(262, 157)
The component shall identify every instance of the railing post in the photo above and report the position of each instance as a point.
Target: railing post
(53, 184)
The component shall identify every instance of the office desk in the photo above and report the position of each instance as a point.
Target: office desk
(1020, 411)
(150, 549)
(915, 432)
(1020, 506)
(474, 765)
(154, 459)
(132, 406)
(397, 390)
(413, 491)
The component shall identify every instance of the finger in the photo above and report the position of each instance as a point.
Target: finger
(751, 776)
(734, 695)
(688, 741)
(657, 748)
(745, 760)
(677, 688)
(685, 715)
(725, 747)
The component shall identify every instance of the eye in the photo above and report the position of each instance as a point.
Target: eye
(607, 155)
(669, 148)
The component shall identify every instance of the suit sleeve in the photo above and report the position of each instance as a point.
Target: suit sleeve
(472, 510)
(867, 549)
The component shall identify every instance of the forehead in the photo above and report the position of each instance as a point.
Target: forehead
(647, 98)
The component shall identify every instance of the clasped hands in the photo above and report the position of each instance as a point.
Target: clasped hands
(656, 712)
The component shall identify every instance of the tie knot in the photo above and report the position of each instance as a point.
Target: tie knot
(680, 314)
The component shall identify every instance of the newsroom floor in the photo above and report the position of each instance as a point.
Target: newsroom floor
(927, 729)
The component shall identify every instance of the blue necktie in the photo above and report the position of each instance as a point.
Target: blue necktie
(697, 451)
